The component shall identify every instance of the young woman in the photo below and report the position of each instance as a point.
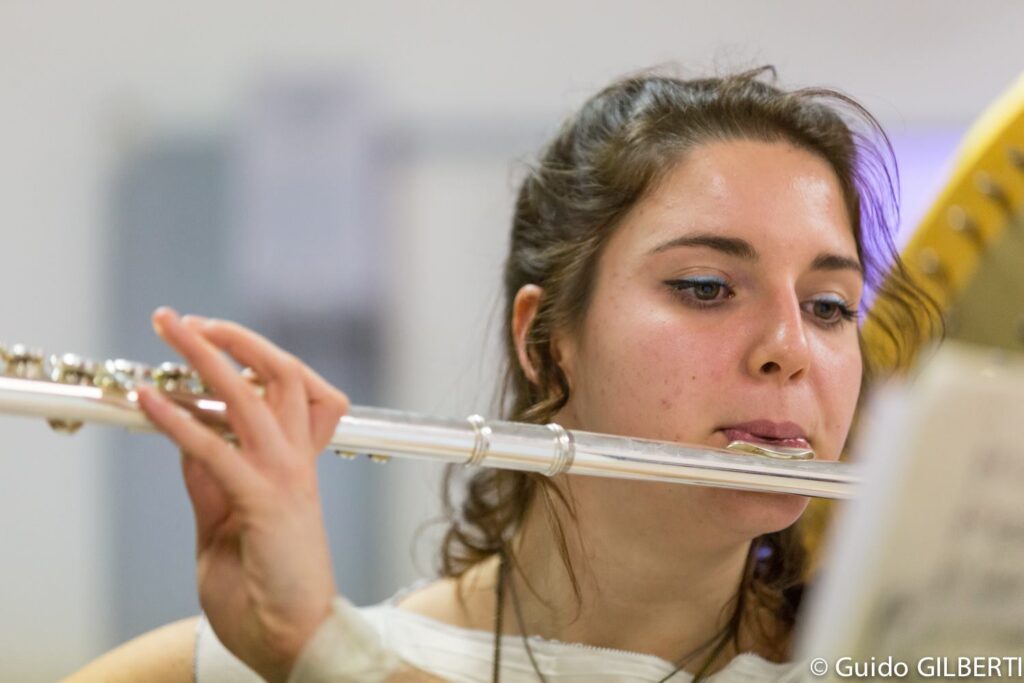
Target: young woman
(687, 263)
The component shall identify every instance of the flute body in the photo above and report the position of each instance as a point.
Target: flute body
(474, 441)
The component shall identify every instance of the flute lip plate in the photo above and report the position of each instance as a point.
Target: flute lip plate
(779, 452)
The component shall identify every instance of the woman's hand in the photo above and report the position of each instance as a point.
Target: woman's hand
(263, 562)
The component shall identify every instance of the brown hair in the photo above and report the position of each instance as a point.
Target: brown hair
(603, 160)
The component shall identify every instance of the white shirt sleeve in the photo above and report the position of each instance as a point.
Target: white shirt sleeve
(345, 649)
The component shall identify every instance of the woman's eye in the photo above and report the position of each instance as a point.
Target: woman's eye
(702, 290)
(831, 311)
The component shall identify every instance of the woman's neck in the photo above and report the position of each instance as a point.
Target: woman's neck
(640, 592)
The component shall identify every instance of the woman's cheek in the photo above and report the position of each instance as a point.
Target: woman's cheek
(670, 385)
(838, 387)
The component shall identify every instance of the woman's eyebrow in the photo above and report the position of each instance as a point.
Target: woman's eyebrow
(740, 248)
(733, 246)
(826, 261)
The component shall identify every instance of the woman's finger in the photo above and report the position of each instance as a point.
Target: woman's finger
(269, 361)
(279, 372)
(233, 473)
(322, 405)
(209, 502)
(327, 405)
(324, 414)
(286, 379)
(266, 359)
(247, 413)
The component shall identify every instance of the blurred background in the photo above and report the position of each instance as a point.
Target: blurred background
(340, 176)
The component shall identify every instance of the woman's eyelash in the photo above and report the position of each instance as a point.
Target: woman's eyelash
(702, 291)
(705, 292)
(846, 313)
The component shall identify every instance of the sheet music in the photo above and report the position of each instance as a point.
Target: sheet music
(927, 568)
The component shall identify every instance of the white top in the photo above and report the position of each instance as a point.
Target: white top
(465, 656)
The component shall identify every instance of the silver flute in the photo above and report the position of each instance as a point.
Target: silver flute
(69, 391)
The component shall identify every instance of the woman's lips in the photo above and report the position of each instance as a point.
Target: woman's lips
(733, 434)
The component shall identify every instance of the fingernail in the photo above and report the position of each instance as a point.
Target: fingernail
(159, 315)
(164, 310)
(143, 393)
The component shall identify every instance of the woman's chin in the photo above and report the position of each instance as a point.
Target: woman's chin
(754, 513)
(719, 513)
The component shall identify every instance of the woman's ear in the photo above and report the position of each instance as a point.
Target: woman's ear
(524, 310)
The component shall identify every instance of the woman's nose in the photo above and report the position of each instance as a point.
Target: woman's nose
(780, 347)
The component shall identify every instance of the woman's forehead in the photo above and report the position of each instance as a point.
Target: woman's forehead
(772, 195)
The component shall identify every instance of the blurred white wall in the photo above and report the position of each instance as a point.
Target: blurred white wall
(80, 83)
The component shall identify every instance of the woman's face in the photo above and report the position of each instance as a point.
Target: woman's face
(724, 307)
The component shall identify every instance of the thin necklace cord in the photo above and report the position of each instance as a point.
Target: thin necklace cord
(519, 621)
(496, 671)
